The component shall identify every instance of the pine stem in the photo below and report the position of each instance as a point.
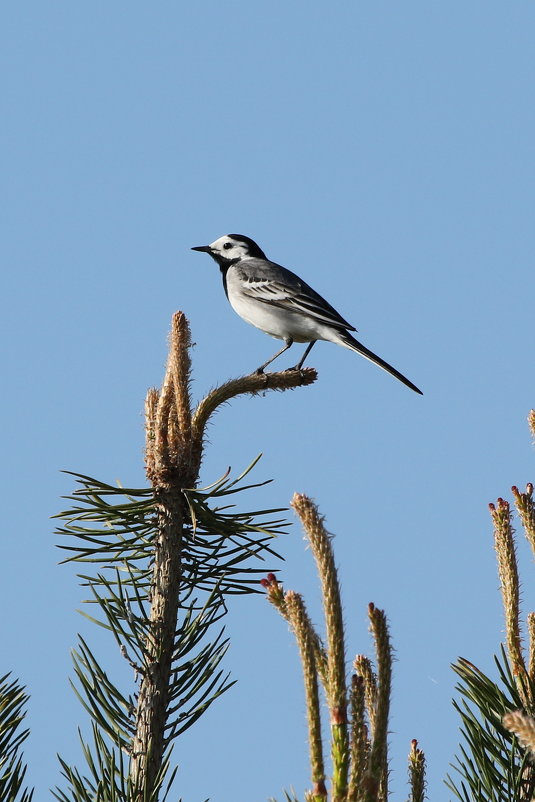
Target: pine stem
(151, 715)
(504, 541)
(416, 773)
(336, 686)
(252, 384)
(174, 441)
(300, 623)
(378, 765)
(360, 744)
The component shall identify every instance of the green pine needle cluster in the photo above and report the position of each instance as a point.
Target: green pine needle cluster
(12, 768)
(492, 766)
(496, 762)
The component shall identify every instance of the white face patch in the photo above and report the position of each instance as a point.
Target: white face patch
(230, 248)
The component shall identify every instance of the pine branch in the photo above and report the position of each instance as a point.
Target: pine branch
(416, 773)
(322, 551)
(359, 740)
(526, 511)
(377, 778)
(359, 743)
(253, 384)
(305, 640)
(167, 557)
(276, 596)
(13, 700)
(364, 669)
(510, 586)
(523, 727)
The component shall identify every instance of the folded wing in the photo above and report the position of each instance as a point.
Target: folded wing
(277, 286)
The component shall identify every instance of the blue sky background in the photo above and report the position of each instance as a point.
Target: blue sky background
(384, 151)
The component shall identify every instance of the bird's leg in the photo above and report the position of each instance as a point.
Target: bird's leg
(287, 344)
(300, 363)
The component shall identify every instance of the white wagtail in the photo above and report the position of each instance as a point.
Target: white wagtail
(277, 301)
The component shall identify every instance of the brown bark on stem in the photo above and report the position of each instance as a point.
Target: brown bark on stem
(174, 444)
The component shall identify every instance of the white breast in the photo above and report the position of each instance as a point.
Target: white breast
(274, 320)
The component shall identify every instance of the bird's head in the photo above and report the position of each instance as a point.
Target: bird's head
(232, 248)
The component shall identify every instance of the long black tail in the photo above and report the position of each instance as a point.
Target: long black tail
(350, 342)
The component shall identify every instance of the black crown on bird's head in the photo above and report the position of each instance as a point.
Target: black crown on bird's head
(254, 250)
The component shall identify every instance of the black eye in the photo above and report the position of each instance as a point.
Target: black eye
(227, 245)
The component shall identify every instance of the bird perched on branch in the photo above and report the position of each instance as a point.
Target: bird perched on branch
(281, 304)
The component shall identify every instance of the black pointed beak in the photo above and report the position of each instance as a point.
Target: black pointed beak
(203, 248)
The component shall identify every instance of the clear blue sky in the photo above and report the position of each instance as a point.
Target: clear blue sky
(384, 151)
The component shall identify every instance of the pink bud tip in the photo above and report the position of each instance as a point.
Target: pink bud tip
(271, 577)
(265, 583)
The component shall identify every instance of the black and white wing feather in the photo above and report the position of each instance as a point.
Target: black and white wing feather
(270, 283)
